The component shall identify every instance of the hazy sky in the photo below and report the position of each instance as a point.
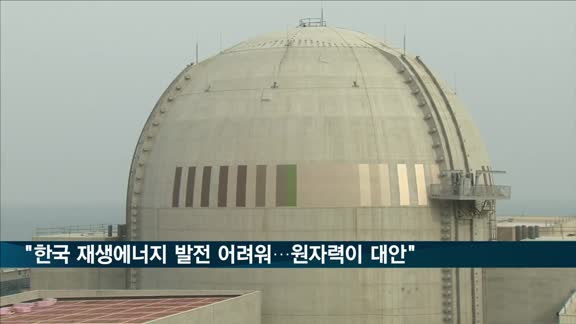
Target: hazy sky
(78, 80)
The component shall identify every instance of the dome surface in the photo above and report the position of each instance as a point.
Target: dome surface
(317, 133)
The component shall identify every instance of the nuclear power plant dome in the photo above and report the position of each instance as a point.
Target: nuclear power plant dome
(316, 133)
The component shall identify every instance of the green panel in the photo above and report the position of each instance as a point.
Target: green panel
(291, 182)
(286, 185)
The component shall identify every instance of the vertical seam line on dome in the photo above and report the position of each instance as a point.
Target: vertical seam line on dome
(276, 71)
(450, 110)
(370, 105)
(434, 107)
(283, 58)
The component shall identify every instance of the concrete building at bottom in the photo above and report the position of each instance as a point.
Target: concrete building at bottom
(131, 306)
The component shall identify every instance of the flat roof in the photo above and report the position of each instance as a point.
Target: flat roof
(111, 310)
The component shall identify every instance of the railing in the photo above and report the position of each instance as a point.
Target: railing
(477, 192)
(312, 22)
(95, 229)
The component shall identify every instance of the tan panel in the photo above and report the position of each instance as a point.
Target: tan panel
(214, 186)
(364, 177)
(251, 186)
(261, 185)
(190, 185)
(198, 187)
(183, 187)
(421, 184)
(403, 185)
(223, 173)
(176, 186)
(328, 185)
(233, 173)
(241, 174)
(384, 173)
(271, 185)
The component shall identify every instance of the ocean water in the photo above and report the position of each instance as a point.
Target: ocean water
(20, 222)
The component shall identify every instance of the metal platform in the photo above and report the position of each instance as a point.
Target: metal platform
(312, 22)
(476, 192)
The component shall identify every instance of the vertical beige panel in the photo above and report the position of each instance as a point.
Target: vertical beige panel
(403, 185)
(384, 184)
(271, 185)
(233, 171)
(434, 173)
(421, 184)
(251, 186)
(183, 186)
(328, 185)
(198, 187)
(364, 180)
(375, 185)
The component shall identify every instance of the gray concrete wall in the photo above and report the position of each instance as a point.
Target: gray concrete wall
(78, 278)
(528, 296)
(506, 233)
(19, 298)
(14, 286)
(14, 280)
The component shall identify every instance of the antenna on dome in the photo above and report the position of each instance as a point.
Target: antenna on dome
(455, 91)
(404, 41)
(322, 13)
(196, 52)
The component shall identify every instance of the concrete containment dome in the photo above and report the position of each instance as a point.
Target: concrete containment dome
(317, 133)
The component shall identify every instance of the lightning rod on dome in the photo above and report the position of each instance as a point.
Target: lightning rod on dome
(322, 13)
(404, 41)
